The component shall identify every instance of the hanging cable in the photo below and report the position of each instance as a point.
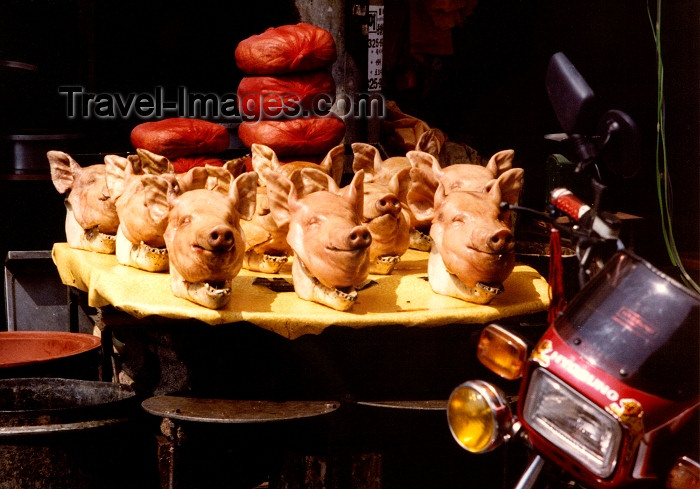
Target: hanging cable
(663, 179)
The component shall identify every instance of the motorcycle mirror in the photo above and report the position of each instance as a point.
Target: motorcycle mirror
(575, 106)
(612, 138)
(620, 144)
(572, 99)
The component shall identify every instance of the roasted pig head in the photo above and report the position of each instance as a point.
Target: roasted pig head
(385, 209)
(203, 236)
(381, 171)
(91, 216)
(473, 248)
(325, 230)
(140, 243)
(266, 243)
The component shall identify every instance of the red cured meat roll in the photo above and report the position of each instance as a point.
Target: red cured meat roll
(177, 137)
(264, 97)
(286, 49)
(300, 136)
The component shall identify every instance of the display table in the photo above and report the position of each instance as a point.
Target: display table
(390, 363)
(402, 298)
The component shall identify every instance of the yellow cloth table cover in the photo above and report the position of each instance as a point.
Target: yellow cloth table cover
(402, 298)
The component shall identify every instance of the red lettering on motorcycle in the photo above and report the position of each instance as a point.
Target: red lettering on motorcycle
(634, 322)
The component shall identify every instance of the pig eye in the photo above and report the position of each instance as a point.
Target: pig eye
(312, 221)
(185, 220)
(459, 219)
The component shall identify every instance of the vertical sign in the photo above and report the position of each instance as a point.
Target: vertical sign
(375, 42)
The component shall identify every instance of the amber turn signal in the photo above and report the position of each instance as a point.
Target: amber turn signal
(502, 352)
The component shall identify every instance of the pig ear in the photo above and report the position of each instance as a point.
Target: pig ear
(236, 166)
(116, 168)
(279, 193)
(400, 184)
(243, 191)
(195, 178)
(511, 184)
(334, 163)
(493, 190)
(159, 197)
(424, 183)
(431, 142)
(426, 166)
(501, 162)
(355, 192)
(63, 169)
(439, 197)
(312, 180)
(218, 179)
(154, 164)
(135, 161)
(263, 158)
(366, 157)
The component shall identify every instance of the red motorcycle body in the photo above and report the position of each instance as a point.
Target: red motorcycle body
(609, 386)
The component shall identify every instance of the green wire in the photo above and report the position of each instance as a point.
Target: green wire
(663, 185)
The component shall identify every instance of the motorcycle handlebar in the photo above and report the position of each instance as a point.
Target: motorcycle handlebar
(565, 200)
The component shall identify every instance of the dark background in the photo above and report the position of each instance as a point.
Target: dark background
(489, 93)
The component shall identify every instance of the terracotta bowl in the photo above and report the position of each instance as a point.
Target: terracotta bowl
(44, 353)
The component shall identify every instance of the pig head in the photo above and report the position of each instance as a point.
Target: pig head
(324, 222)
(368, 158)
(203, 235)
(140, 243)
(473, 248)
(91, 216)
(385, 211)
(266, 243)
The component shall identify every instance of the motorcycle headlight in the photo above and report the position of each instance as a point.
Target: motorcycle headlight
(573, 423)
(479, 416)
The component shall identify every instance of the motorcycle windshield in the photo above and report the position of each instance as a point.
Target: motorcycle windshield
(638, 325)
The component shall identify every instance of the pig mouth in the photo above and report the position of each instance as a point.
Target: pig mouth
(98, 241)
(499, 255)
(90, 238)
(310, 288)
(347, 293)
(94, 234)
(418, 240)
(263, 262)
(350, 252)
(214, 256)
(384, 265)
(213, 295)
(141, 255)
(201, 249)
(217, 287)
(443, 282)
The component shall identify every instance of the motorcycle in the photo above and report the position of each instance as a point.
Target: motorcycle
(608, 395)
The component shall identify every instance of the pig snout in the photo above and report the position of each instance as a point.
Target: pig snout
(220, 238)
(357, 238)
(501, 241)
(388, 204)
